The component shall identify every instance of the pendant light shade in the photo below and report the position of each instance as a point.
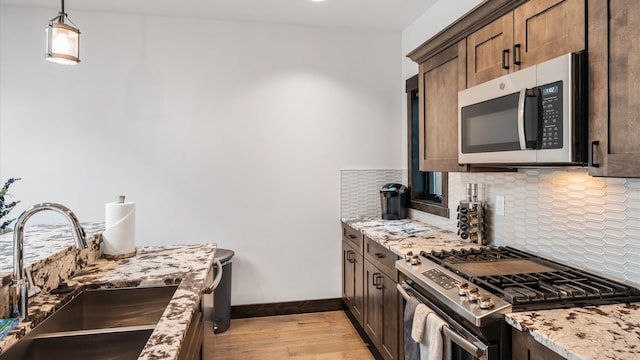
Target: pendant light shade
(63, 40)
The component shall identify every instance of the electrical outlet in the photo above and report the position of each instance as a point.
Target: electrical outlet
(500, 205)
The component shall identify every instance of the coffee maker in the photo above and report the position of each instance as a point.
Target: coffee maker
(394, 201)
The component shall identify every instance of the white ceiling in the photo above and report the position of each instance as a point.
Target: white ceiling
(375, 14)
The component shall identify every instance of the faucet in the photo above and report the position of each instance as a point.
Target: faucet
(20, 287)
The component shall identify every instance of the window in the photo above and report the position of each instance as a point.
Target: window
(428, 189)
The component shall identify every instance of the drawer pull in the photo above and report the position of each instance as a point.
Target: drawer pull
(352, 237)
(379, 255)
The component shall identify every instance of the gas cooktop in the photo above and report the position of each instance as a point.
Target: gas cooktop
(525, 279)
(482, 283)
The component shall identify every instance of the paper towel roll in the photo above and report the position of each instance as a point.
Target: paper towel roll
(119, 236)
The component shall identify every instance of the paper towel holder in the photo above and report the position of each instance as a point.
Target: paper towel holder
(114, 253)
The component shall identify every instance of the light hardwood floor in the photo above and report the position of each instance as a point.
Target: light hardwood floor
(314, 336)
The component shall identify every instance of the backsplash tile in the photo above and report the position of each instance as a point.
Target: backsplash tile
(566, 215)
(562, 214)
(360, 190)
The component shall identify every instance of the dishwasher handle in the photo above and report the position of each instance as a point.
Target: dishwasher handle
(209, 289)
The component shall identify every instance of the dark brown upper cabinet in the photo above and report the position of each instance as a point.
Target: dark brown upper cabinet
(440, 79)
(493, 39)
(614, 94)
(537, 31)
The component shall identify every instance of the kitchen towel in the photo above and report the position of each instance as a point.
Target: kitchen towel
(433, 348)
(419, 327)
(427, 332)
(119, 236)
(411, 348)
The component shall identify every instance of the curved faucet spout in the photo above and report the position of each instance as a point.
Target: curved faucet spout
(19, 297)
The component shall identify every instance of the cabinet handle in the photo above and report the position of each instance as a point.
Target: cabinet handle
(517, 56)
(353, 237)
(591, 151)
(378, 283)
(351, 256)
(379, 255)
(505, 59)
(375, 278)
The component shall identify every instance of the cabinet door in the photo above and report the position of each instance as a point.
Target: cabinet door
(441, 77)
(525, 347)
(390, 333)
(545, 29)
(489, 52)
(381, 311)
(614, 73)
(373, 303)
(352, 281)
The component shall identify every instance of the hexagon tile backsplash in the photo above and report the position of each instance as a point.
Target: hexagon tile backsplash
(561, 214)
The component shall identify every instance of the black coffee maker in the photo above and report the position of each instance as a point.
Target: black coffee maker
(394, 200)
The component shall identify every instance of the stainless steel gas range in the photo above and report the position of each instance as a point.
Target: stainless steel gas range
(473, 289)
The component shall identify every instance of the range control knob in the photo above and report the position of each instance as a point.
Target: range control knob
(472, 294)
(462, 289)
(485, 301)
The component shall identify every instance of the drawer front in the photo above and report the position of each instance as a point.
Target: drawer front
(353, 237)
(383, 258)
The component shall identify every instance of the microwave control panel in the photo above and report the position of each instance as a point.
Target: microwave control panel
(551, 115)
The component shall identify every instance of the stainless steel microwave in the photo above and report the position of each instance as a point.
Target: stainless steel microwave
(534, 116)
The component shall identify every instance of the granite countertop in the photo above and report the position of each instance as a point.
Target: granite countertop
(403, 236)
(589, 333)
(186, 266)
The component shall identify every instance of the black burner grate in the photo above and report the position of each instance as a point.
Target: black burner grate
(562, 285)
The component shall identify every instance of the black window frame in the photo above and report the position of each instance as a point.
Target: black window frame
(423, 201)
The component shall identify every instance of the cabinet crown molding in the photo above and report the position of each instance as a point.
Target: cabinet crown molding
(476, 18)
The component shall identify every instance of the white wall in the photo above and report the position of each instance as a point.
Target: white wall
(222, 132)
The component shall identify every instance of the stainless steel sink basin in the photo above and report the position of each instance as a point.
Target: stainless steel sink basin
(97, 324)
(119, 345)
(110, 308)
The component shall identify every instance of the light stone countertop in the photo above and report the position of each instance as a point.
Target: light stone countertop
(186, 266)
(589, 333)
(402, 236)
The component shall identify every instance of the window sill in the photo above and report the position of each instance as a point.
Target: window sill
(430, 208)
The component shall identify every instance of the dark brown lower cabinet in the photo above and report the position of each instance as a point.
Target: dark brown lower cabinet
(525, 347)
(352, 281)
(381, 311)
(369, 281)
(191, 348)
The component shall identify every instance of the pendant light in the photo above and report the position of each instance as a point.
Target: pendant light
(63, 40)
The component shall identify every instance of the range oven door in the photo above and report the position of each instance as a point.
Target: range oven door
(459, 343)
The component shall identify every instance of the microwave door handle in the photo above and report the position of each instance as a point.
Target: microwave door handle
(521, 121)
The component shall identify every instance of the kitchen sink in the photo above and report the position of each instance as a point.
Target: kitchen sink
(110, 308)
(118, 345)
(97, 324)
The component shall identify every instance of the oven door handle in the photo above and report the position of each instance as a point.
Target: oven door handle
(462, 342)
(452, 335)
